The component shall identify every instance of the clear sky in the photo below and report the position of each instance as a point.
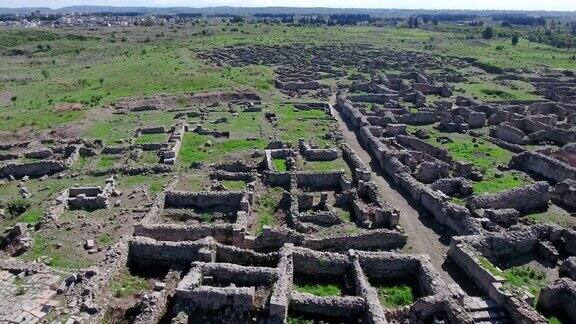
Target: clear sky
(563, 5)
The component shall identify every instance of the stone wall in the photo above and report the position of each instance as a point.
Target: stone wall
(543, 165)
(206, 199)
(224, 233)
(32, 169)
(379, 239)
(456, 217)
(359, 170)
(294, 86)
(144, 252)
(508, 133)
(523, 199)
(316, 154)
(349, 307)
(560, 296)
(470, 262)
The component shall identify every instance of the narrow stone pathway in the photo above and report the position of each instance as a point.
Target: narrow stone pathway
(424, 236)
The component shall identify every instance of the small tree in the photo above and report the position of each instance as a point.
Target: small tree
(101, 80)
(13, 99)
(488, 33)
(515, 39)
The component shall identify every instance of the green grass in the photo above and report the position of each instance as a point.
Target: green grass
(553, 217)
(492, 184)
(482, 154)
(396, 296)
(486, 264)
(524, 277)
(344, 215)
(105, 239)
(281, 165)
(127, 285)
(107, 161)
(321, 166)
(193, 148)
(32, 216)
(207, 218)
(554, 320)
(74, 64)
(321, 290)
(489, 91)
(152, 138)
(292, 319)
(64, 257)
(12, 37)
(153, 183)
(234, 185)
(308, 124)
(266, 206)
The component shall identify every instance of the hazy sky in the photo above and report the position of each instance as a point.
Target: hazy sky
(568, 5)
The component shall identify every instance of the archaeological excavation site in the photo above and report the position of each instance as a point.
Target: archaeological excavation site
(217, 169)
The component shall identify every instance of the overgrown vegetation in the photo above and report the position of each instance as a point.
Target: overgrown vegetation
(266, 206)
(281, 165)
(322, 290)
(395, 296)
(525, 277)
(126, 285)
(486, 264)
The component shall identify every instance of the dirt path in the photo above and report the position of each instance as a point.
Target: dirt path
(424, 235)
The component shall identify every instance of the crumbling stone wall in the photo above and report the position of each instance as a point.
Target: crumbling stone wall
(316, 154)
(543, 165)
(523, 199)
(560, 296)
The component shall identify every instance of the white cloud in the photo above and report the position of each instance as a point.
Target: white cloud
(567, 5)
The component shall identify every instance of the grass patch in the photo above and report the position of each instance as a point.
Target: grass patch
(235, 185)
(491, 184)
(281, 165)
(107, 161)
(481, 154)
(488, 91)
(64, 257)
(486, 264)
(266, 207)
(152, 138)
(295, 319)
(32, 216)
(344, 215)
(193, 148)
(396, 296)
(154, 183)
(207, 218)
(105, 239)
(524, 277)
(309, 124)
(554, 320)
(553, 217)
(321, 166)
(127, 285)
(321, 290)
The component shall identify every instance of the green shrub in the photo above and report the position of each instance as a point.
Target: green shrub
(18, 206)
(488, 33)
(127, 285)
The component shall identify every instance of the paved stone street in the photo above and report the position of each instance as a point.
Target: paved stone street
(28, 299)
